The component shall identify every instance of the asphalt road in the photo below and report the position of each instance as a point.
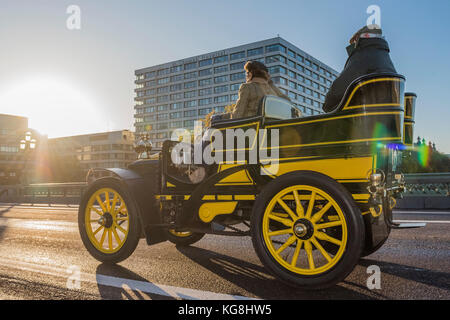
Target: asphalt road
(42, 257)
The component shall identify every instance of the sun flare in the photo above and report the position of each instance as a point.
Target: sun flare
(53, 107)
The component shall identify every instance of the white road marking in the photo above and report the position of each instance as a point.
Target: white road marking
(122, 283)
(421, 221)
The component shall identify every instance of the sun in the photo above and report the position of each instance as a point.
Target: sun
(53, 106)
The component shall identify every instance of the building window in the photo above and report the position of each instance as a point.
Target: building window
(292, 95)
(291, 53)
(221, 89)
(237, 66)
(190, 66)
(205, 82)
(205, 72)
(221, 69)
(234, 97)
(190, 113)
(204, 102)
(150, 100)
(308, 63)
(188, 123)
(205, 62)
(237, 76)
(176, 69)
(161, 126)
(221, 59)
(191, 84)
(221, 99)
(176, 124)
(150, 75)
(162, 107)
(254, 52)
(205, 92)
(163, 116)
(176, 87)
(291, 64)
(237, 55)
(162, 98)
(176, 96)
(163, 72)
(275, 47)
(176, 115)
(176, 106)
(220, 79)
(235, 86)
(190, 94)
(204, 111)
(293, 85)
(190, 75)
(276, 58)
(163, 90)
(176, 78)
(190, 104)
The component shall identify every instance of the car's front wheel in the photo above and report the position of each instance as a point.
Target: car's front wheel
(108, 221)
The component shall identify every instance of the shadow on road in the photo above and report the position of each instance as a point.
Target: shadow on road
(123, 289)
(256, 280)
(429, 277)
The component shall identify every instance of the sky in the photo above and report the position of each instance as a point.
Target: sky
(82, 81)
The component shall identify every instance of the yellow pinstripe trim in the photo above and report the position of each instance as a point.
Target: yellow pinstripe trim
(327, 119)
(374, 105)
(367, 82)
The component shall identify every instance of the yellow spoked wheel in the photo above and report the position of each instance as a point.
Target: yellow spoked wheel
(296, 230)
(307, 230)
(108, 222)
(183, 238)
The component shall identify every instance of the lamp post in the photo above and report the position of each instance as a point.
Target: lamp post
(27, 146)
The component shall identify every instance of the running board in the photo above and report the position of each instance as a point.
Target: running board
(407, 225)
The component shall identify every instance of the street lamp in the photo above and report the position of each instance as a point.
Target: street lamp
(27, 146)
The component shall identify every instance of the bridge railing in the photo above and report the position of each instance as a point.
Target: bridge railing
(51, 193)
(423, 191)
(426, 191)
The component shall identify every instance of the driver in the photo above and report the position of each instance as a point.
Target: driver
(258, 84)
(368, 53)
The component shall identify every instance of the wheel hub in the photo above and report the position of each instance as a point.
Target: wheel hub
(106, 220)
(303, 229)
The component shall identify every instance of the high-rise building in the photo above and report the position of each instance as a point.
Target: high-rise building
(19, 146)
(175, 94)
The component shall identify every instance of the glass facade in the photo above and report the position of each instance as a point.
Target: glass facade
(211, 81)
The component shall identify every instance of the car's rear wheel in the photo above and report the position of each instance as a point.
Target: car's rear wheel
(307, 230)
(108, 221)
(183, 238)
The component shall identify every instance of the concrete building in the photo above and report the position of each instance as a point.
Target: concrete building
(98, 150)
(16, 162)
(175, 94)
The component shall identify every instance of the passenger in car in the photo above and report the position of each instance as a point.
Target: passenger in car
(368, 53)
(258, 84)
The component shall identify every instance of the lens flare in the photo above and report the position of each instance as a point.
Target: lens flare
(423, 155)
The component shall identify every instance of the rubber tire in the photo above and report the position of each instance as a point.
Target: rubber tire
(134, 230)
(353, 217)
(184, 241)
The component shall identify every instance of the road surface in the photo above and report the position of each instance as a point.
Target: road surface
(42, 257)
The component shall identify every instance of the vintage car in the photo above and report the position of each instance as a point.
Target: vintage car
(316, 202)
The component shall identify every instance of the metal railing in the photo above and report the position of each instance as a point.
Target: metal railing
(423, 190)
